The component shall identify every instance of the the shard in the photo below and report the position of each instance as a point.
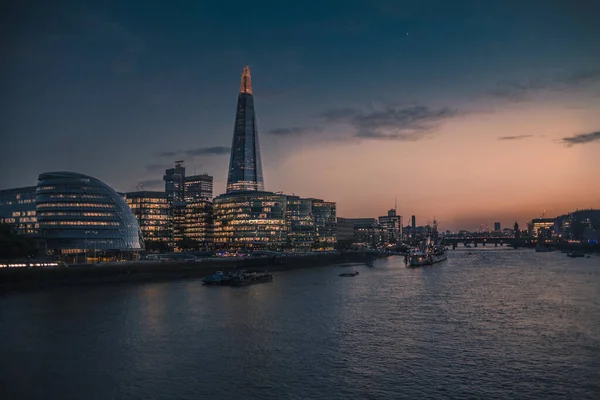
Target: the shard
(245, 169)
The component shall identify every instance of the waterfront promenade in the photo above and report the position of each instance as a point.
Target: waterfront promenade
(150, 270)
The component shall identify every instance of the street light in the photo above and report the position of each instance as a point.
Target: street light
(85, 241)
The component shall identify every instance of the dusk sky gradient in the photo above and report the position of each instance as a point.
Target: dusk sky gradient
(469, 111)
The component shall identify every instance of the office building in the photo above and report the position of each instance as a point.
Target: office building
(250, 220)
(539, 225)
(194, 227)
(175, 182)
(324, 213)
(497, 227)
(198, 187)
(78, 214)
(301, 234)
(17, 210)
(151, 211)
(392, 227)
(245, 168)
(247, 217)
(345, 229)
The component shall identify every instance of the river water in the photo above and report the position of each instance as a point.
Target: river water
(487, 323)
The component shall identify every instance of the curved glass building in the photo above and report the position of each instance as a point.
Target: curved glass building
(81, 214)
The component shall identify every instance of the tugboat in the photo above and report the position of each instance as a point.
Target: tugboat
(349, 273)
(251, 278)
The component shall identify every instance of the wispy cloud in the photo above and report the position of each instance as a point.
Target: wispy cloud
(157, 167)
(582, 138)
(586, 79)
(409, 123)
(294, 131)
(202, 151)
(150, 184)
(517, 137)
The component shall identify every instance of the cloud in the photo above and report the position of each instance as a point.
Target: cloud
(157, 167)
(202, 151)
(522, 91)
(517, 137)
(409, 123)
(294, 131)
(581, 138)
(150, 184)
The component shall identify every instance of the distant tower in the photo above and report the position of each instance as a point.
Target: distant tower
(175, 182)
(414, 222)
(245, 168)
(517, 231)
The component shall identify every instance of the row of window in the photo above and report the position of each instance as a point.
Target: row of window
(81, 223)
(71, 205)
(76, 214)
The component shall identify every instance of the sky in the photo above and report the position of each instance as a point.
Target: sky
(471, 112)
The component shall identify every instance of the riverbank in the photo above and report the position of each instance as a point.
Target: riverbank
(12, 279)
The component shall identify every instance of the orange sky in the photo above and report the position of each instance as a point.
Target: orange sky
(464, 175)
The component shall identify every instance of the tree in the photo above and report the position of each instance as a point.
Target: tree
(15, 246)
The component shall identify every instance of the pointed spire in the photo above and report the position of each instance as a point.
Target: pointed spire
(246, 85)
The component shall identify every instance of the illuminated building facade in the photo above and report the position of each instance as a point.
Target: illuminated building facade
(17, 209)
(391, 225)
(301, 233)
(198, 187)
(175, 182)
(195, 223)
(539, 225)
(245, 168)
(78, 214)
(250, 220)
(324, 213)
(151, 211)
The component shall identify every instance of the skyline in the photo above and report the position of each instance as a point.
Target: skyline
(452, 110)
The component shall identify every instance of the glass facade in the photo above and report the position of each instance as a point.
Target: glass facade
(325, 223)
(392, 227)
(245, 168)
(78, 213)
(151, 211)
(301, 222)
(250, 220)
(198, 187)
(196, 223)
(175, 182)
(17, 209)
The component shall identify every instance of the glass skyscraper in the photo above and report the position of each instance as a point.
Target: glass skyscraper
(245, 169)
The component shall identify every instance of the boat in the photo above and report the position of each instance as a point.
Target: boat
(431, 252)
(349, 273)
(251, 278)
(218, 278)
(542, 248)
(575, 254)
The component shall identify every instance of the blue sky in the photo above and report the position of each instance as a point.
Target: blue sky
(105, 88)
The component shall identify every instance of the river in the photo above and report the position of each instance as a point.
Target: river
(491, 323)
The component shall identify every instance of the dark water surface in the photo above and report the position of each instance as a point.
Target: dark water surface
(487, 323)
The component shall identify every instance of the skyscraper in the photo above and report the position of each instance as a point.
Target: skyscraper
(245, 169)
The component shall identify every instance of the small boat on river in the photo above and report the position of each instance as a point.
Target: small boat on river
(349, 273)
(251, 278)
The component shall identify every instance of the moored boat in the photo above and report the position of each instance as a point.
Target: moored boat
(251, 278)
(218, 278)
(575, 254)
